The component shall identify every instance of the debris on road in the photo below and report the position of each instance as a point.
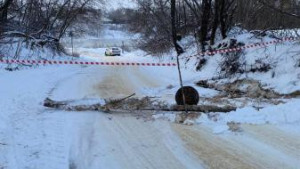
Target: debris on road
(134, 104)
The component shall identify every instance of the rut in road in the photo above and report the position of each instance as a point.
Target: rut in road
(124, 81)
(240, 151)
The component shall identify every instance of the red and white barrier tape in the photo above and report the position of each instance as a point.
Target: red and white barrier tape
(254, 45)
(48, 62)
(221, 51)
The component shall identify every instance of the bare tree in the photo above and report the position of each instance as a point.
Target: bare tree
(4, 10)
(267, 15)
(205, 21)
(278, 9)
(203, 18)
(40, 23)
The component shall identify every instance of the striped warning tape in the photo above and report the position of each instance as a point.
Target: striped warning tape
(48, 62)
(221, 51)
(254, 45)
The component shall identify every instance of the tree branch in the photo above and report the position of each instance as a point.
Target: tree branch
(278, 10)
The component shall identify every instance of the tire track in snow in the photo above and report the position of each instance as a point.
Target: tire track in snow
(54, 144)
(271, 135)
(123, 142)
(241, 151)
(123, 81)
(215, 153)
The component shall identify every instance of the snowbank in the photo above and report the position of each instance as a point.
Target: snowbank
(283, 59)
(282, 114)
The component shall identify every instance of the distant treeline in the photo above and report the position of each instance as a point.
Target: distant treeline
(205, 19)
(45, 19)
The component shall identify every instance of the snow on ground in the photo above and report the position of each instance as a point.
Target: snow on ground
(284, 59)
(110, 35)
(284, 78)
(32, 136)
(282, 115)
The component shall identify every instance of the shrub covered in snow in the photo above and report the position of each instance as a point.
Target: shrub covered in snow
(232, 63)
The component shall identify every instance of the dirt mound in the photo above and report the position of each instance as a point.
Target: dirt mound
(242, 88)
(242, 93)
(250, 88)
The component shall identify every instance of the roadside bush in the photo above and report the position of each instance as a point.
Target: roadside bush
(201, 63)
(155, 46)
(259, 66)
(233, 62)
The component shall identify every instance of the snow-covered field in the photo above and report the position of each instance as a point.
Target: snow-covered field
(111, 35)
(34, 137)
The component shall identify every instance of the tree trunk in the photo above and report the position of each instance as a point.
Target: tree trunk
(215, 23)
(203, 32)
(178, 48)
(4, 11)
(70, 106)
(223, 18)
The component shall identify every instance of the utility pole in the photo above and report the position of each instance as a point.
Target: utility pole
(178, 48)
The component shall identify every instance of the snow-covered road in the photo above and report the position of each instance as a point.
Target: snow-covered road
(121, 141)
(35, 137)
(137, 144)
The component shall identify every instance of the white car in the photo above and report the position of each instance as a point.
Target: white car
(113, 51)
